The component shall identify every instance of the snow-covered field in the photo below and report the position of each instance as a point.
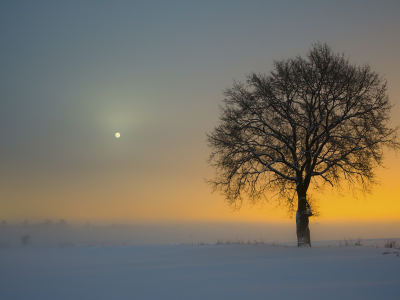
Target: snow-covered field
(235, 271)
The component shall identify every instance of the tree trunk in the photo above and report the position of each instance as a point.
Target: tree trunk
(302, 229)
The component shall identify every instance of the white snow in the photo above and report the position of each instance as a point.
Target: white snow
(243, 271)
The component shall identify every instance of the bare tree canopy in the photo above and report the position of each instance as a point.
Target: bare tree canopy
(311, 121)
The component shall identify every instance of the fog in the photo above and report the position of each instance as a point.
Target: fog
(63, 234)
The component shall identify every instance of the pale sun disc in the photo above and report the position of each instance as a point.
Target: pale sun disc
(117, 135)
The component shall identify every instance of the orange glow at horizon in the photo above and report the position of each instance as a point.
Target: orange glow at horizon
(174, 199)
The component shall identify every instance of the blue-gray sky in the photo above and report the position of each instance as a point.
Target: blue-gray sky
(73, 73)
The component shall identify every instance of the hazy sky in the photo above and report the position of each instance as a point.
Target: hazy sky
(73, 73)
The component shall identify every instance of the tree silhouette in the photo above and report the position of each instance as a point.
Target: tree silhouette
(312, 121)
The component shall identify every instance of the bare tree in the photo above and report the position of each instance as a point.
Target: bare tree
(312, 121)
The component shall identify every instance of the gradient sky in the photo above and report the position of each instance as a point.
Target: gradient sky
(74, 73)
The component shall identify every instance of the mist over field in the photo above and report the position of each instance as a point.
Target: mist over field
(61, 233)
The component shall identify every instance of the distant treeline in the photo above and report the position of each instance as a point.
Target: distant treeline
(46, 223)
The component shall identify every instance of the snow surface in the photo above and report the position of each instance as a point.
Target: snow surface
(236, 271)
